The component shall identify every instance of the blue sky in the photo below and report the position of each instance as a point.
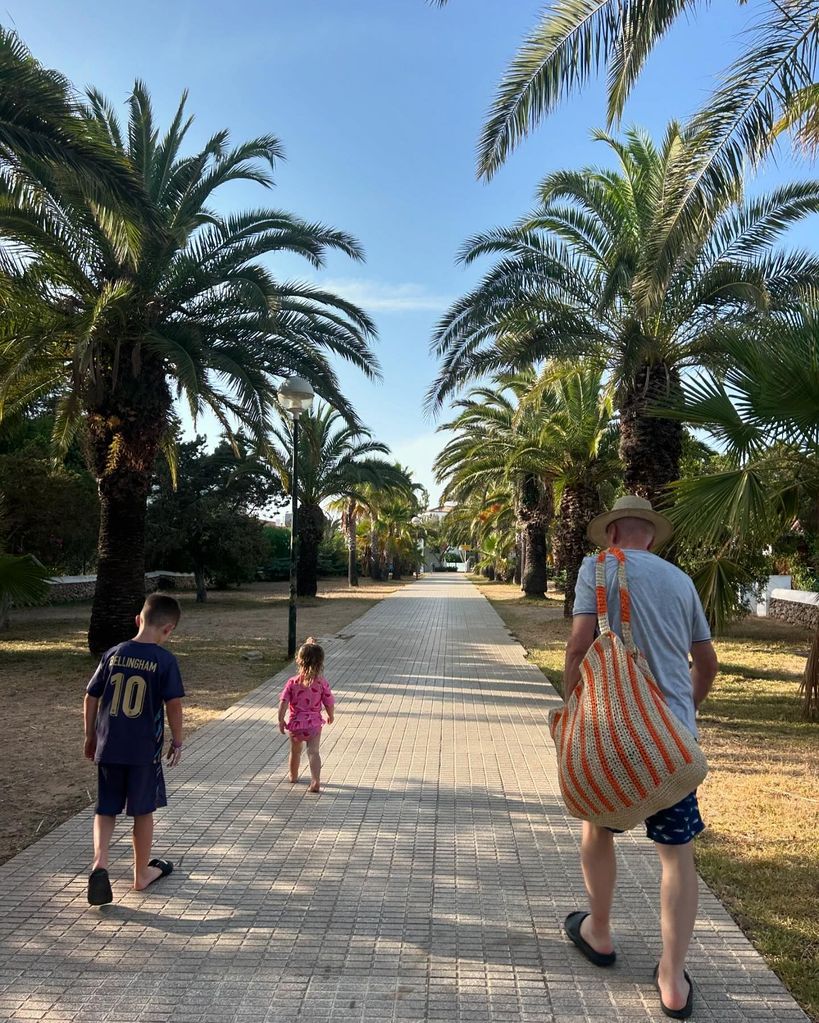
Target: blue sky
(378, 104)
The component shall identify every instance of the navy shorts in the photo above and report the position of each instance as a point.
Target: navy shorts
(136, 788)
(677, 824)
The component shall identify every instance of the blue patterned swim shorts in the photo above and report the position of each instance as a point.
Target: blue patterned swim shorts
(677, 824)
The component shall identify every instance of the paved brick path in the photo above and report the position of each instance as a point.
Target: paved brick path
(427, 882)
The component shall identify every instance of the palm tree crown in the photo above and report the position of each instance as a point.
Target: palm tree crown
(121, 314)
(606, 266)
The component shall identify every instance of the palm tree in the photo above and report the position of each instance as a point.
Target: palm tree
(770, 87)
(366, 499)
(581, 436)
(764, 414)
(603, 267)
(335, 462)
(499, 441)
(122, 317)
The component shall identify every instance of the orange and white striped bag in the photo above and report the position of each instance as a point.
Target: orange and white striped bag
(622, 754)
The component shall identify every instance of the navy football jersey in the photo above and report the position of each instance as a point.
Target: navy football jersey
(133, 682)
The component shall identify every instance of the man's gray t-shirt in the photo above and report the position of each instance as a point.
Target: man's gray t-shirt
(666, 619)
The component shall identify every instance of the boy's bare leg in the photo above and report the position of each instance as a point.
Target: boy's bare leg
(295, 759)
(678, 913)
(103, 832)
(315, 762)
(143, 839)
(600, 873)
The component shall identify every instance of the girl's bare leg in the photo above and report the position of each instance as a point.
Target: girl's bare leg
(315, 762)
(295, 759)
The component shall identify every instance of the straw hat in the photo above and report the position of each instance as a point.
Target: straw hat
(629, 507)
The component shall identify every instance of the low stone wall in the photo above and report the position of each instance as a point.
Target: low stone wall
(67, 588)
(797, 607)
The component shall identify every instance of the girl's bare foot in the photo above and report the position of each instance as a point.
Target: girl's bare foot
(314, 787)
(291, 779)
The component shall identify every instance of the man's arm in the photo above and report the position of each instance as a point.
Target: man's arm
(174, 712)
(581, 638)
(703, 670)
(89, 713)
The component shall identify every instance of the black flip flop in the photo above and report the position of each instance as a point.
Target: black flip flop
(164, 865)
(687, 1009)
(99, 888)
(571, 925)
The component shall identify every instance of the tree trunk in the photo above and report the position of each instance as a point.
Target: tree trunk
(578, 505)
(518, 562)
(809, 687)
(311, 530)
(201, 585)
(535, 511)
(650, 447)
(352, 561)
(533, 578)
(120, 589)
(376, 571)
(127, 413)
(5, 610)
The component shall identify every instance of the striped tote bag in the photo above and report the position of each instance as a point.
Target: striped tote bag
(622, 754)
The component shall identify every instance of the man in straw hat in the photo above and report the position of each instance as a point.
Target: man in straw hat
(668, 625)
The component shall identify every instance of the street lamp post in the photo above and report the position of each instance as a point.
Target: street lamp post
(296, 396)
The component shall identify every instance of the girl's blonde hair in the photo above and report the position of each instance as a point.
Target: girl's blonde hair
(310, 660)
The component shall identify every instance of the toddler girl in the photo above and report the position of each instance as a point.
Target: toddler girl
(305, 694)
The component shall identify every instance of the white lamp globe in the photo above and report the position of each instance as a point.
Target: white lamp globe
(296, 395)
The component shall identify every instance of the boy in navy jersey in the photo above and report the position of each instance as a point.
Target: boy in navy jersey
(125, 704)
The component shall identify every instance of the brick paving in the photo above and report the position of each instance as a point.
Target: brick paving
(427, 882)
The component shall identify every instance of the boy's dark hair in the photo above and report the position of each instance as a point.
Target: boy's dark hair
(159, 609)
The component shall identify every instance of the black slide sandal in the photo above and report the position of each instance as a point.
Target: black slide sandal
(571, 925)
(99, 888)
(687, 1009)
(164, 865)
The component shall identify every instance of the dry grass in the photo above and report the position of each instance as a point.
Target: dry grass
(760, 852)
(45, 665)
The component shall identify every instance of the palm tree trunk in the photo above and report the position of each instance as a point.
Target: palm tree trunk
(650, 447)
(535, 511)
(533, 577)
(310, 531)
(518, 562)
(809, 687)
(120, 589)
(352, 563)
(125, 424)
(201, 584)
(376, 572)
(578, 505)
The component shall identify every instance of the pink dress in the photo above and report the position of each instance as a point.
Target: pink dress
(306, 702)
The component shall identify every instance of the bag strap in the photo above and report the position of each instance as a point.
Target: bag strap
(625, 598)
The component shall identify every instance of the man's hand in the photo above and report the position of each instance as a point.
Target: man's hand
(90, 747)
(174, 754)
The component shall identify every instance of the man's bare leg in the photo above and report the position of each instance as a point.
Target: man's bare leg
(143, 840)
(315, 762)
(678, 913)
(599, 872)
(295, 759)
(103, 832)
